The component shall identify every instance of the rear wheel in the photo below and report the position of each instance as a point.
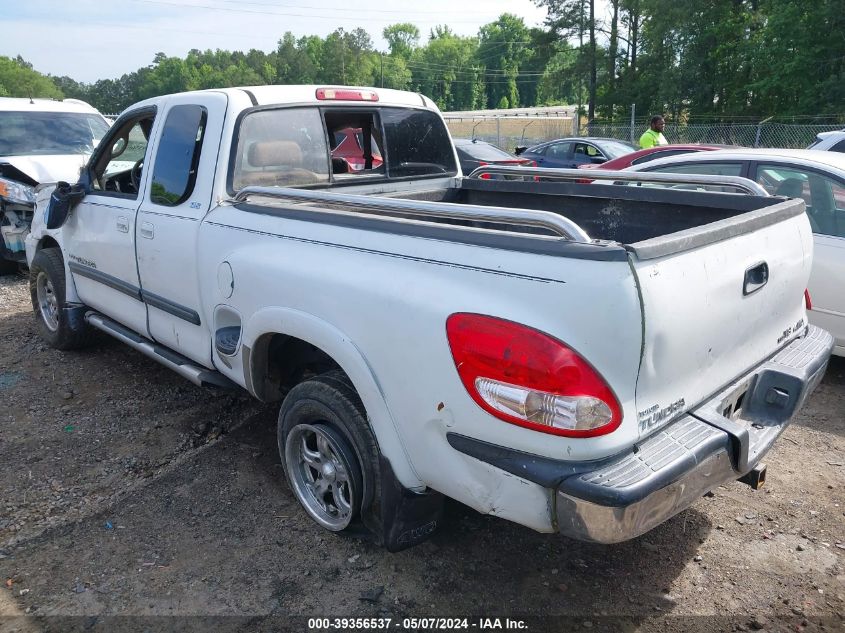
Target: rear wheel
(47, 290)
(328, 451)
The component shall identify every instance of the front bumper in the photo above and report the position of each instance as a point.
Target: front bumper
(624, 496)
(718, 442)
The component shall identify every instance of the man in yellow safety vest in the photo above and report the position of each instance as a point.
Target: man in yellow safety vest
(654, 135)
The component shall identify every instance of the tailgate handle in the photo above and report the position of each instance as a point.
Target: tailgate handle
(755, 278)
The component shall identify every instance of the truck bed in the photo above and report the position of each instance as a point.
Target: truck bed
(624, 214)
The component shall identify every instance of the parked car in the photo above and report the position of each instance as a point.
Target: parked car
(648, 154)
(428, 335)
(573, 152)
(816, 177)
(829, 141)
(473, 154)
(41, 141)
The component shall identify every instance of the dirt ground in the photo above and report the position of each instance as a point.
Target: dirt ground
(129, 496)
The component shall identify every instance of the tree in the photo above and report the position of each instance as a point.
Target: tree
(445, 69)
(18, 79)
(402, 39)
(502, 50)
(567, 18)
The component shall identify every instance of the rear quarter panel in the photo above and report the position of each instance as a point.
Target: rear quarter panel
(390, 295)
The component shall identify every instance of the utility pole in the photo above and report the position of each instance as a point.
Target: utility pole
(633, 117)
(382, 70)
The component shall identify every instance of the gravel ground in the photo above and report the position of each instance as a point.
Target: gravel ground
(127, 491)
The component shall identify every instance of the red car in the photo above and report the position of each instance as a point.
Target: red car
(645, 155)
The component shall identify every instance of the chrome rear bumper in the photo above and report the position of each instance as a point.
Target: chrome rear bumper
(634, 492)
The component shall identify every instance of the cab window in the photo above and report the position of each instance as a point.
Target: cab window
(280, 147)
(178, 154)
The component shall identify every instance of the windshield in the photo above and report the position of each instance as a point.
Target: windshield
(615, 149)
(42, 133)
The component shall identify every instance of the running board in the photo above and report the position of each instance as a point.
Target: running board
(167, 357)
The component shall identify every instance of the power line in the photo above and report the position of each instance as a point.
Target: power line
(324, 8)
(320, 16)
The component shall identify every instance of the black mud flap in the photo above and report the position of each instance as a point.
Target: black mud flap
(75, 316)
(403, 518)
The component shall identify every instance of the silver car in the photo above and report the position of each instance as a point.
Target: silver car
(830, 141)
(818, 178)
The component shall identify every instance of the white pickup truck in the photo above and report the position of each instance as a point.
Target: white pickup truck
(581, 359)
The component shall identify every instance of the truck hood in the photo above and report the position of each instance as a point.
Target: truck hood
(35, 170)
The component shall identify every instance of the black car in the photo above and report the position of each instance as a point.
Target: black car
(473, 154)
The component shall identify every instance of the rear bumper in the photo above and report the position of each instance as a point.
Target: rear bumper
(624, 496)
(710, 446)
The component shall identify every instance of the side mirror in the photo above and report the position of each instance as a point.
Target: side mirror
(519, 149)
(62, 201)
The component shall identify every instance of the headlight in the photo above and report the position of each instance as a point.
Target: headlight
(17, 192)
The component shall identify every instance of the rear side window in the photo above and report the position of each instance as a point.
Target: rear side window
(705, 169)
(711, 169)
(669, 152)
(839, 147)
(178, 155)
(483, 151)
(558, 150)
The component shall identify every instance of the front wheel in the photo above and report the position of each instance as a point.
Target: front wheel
(328, 451)
(47, 290)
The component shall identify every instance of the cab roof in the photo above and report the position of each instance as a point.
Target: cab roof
(304, 94)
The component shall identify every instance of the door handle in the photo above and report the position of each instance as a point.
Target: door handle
(123, 224)
(147, 230)
(755, 278)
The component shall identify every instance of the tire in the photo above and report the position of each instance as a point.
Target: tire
(47, 290)
(328, 451)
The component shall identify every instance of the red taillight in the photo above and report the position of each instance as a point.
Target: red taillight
(526, 377)
(808, 302)
(344, 94)
(482, 163)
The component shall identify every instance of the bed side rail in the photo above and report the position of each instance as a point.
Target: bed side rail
(743, 185)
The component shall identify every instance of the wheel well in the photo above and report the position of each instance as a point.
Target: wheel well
(47, 242)
(279, 362)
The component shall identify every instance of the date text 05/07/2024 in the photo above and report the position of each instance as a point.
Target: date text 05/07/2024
(415, 624)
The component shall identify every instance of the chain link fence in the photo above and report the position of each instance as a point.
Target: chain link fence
(762, 134)
(508, 132)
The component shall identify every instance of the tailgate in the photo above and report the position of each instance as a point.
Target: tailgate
(716, 302)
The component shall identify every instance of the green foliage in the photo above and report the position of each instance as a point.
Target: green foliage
(18, 79)
(446, 70)
(401, 39)
(502, 50)
(695, 58)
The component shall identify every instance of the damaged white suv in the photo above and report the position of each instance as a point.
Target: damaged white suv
(41, 141)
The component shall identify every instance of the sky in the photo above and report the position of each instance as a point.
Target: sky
(103, 39)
